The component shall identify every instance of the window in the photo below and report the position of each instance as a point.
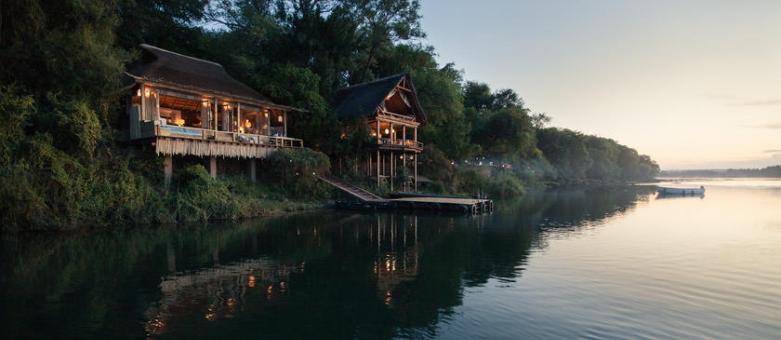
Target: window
(180, 111)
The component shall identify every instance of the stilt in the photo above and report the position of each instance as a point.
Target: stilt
(416, 172)
(377, 165)
(213, 167)
(168, 170)
(252, 170)
(404, 169)
(392, 161)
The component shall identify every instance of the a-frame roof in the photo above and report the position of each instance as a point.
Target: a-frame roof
(363, 100)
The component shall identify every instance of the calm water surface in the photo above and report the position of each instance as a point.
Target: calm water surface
(595, 263)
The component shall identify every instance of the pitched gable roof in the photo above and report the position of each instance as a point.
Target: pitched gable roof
(362, 100)
(170, 68)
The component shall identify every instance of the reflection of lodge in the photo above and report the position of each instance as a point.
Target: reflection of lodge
(398, 253)
(217, 293)
(186, 106)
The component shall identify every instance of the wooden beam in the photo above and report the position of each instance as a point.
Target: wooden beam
(416, 172)
(213, 166)
(252, 170)
(144, 112)
(168, 170)
(378, 166)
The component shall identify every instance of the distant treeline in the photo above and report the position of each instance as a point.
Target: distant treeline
(63, 154)
(771, 171)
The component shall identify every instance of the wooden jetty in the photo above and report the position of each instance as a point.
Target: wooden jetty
(367, 200)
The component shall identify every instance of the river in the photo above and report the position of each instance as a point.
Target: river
(618, 263)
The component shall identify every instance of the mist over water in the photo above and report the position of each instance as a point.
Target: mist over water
(588, 263)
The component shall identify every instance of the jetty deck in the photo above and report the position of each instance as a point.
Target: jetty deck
(364, 199)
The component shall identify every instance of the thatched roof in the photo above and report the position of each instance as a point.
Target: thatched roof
(169, 68)
(362, 100)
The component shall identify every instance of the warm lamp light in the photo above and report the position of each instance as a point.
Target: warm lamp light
(387, 131)
(138, 92)
(179, 121)
(146, 93)
(205, 103)
(279, 118)
(247, 124)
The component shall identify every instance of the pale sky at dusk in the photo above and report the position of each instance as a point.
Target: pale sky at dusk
(694, 84)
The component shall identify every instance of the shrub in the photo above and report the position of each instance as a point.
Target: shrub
(294, 170)
(201, 198)
(504, 185)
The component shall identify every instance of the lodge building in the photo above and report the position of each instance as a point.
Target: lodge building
(184, 106)
(181, 106)
(390, 108)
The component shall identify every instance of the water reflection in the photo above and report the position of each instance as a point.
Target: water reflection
(342, 274)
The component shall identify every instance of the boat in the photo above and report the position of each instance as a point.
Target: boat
(680, 191)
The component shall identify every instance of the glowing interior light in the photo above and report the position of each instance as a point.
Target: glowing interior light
(387, 131)
(279, 118)
(147, 92)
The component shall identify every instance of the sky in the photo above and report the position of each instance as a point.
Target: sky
(693, 84)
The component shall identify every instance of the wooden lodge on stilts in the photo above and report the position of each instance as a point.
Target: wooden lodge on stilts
(187, 107)
(390, 109)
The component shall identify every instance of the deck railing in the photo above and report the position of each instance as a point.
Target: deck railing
(400, 142)
(227, 136)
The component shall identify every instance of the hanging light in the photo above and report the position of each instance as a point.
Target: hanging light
(279, 118)
(205, 103)
(147, 92)
(138, 92)
(387, 131)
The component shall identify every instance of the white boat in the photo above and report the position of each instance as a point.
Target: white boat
(680, 191)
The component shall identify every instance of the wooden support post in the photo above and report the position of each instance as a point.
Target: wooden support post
(379, 135)
(143, 113)
(404, 135)
(392, 160)
(267, 114)
(378, 166)
(252, 170)
(284, 120)
(404, 169)
(168, 170)
(416, 172)
(214, 116)
(238, 117)
(213, 166)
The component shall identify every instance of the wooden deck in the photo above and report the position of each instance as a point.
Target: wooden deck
(367, 200)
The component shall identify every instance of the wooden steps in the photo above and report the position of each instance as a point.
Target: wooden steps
(351, 189)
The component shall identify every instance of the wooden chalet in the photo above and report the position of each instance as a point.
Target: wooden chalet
(392, 113)
(184, 106)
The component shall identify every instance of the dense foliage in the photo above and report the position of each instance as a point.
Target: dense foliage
(770, 171)
(63, 139)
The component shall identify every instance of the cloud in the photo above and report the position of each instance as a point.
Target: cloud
(733, 100)
(774, 126)
(767, 102)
